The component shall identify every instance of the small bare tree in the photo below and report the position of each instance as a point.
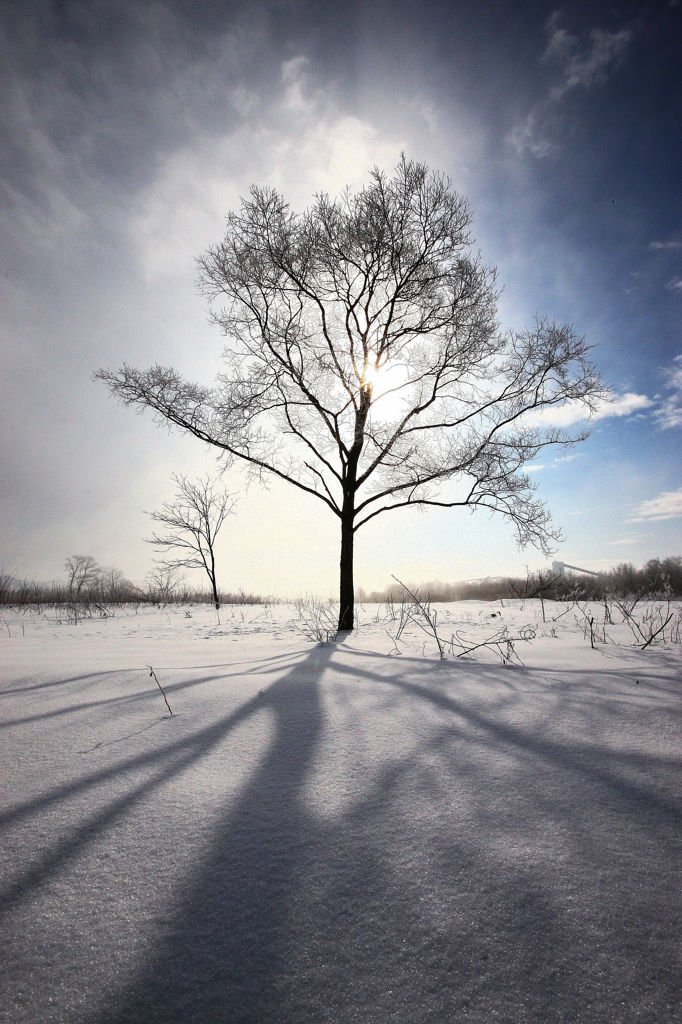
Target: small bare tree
(162, 584)
(82, 572)
(192, 521)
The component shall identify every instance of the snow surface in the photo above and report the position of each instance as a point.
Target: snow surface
(336, 833)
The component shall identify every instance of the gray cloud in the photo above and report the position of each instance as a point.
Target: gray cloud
(589, 64)
(577, 64)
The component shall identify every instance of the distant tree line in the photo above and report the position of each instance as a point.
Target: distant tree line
(89, 585)
(657, 577)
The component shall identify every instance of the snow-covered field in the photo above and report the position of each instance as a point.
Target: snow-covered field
(336, 833)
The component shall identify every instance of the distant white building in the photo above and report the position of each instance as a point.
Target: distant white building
(559, 568)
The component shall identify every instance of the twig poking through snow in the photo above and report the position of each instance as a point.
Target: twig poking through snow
(153, 673)
(502, 641)
(429, 615)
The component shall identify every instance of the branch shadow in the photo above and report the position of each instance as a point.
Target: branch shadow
(406, 904)
(296, 918)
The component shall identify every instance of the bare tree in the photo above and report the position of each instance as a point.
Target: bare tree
(113, 584)
(192, 521)
(364, 363)
(162, 583)
(82, 572)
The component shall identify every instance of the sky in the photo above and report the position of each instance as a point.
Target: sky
(129, 130)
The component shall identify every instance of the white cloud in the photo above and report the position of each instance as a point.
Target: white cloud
(675, 284)
(243, 100)
(675, 374)
(667, 505)
(428, 111)
(621, 405)
(669, 412)
(556, 463)
(329, 154)
(611, 405)
(672, 245)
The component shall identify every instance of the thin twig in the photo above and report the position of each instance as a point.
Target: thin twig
(153, 673)
(654, 635)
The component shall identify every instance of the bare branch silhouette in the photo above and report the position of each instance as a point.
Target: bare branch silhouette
(191, 523)
(365, 365)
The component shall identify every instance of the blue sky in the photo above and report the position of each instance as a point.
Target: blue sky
(129, 130)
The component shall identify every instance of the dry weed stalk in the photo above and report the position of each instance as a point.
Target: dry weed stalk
(317, 620)
(421, 612)
(153, 673)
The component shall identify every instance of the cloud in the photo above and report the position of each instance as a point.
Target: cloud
(611, 405)
(674, 374)
(597, 59)
(294, 80)
(669, 412)
(592, 509)
(534, 135)
(621, 405)
(671, 247)
(561, 42)
(180, 212)
(578, 64)
(582, 65)
(667, 505)
(556, 463)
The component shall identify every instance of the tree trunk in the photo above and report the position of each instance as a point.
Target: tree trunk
(211, 576)
(346, 590)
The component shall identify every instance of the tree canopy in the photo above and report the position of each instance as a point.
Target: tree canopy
(364, 362)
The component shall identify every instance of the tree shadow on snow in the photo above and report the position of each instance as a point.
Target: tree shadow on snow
(420, 901)
(473, 877)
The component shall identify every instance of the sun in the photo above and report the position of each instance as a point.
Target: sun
(389, 385)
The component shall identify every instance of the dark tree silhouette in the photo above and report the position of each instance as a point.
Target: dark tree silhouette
(192, 522)
(364, 362)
